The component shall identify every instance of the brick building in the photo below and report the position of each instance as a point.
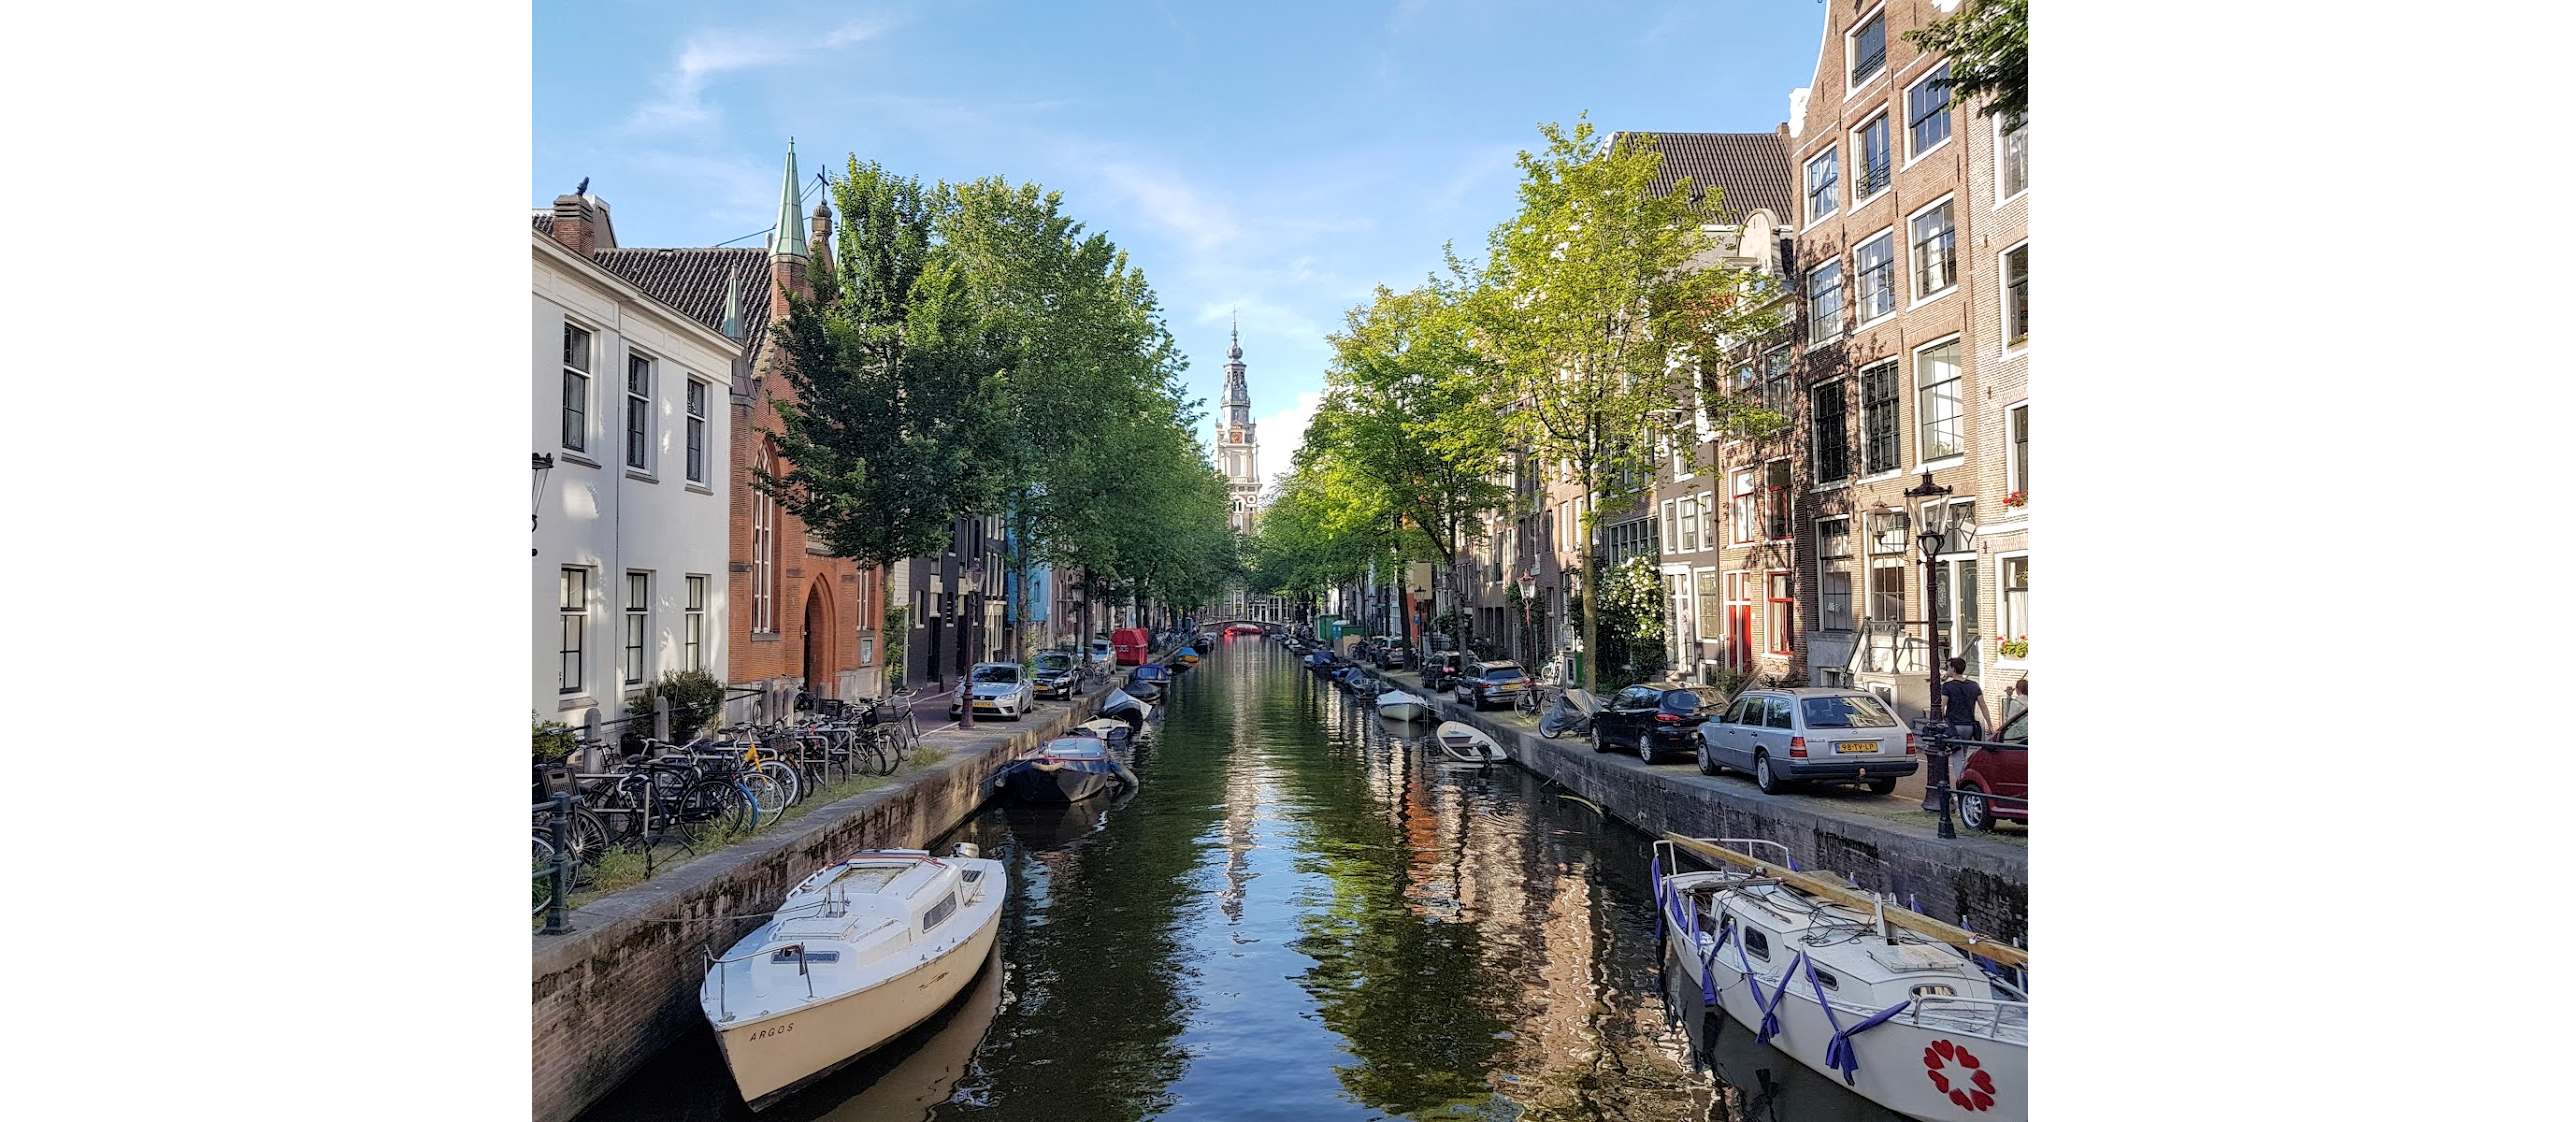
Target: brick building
(1892, 272)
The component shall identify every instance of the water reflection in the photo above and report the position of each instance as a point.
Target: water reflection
(1303, 914)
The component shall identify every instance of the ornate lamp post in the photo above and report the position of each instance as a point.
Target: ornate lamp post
(1932, 539)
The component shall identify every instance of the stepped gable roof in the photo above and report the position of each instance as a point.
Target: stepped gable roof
(696, 282)
(1751, 167)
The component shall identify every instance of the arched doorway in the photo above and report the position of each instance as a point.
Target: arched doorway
(817, 650)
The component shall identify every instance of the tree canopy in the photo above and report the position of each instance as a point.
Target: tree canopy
(1986, 47)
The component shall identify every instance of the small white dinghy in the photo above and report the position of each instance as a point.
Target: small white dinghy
(1467, 744)
(859, 953)
(1397, 705)
(1114, 733)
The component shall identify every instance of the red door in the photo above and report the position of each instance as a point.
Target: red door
(1737, 620)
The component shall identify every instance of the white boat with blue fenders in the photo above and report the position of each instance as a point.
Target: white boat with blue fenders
(1848, 985)
(860, 952)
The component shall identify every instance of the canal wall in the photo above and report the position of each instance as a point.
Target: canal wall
(622, 983)
(1980, 882)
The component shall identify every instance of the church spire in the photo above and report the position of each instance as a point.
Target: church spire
(789, 236)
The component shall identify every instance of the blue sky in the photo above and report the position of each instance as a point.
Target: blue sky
(1281, 160)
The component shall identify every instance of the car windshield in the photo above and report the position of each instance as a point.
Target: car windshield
(1054, 662)
(1845, 711)
(998, 674)
(1500, 673)
(1680, 701)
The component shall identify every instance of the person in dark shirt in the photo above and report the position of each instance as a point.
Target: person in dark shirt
(1960, 699)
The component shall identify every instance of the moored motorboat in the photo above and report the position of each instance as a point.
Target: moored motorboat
(1119, 706)
(1067, 769)
(1113, 732)
(1467, 744)
(1884, 1002)
(858, 953)
(1183, 659)
(1398, 705)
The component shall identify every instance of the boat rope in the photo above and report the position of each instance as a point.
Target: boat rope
(1838, 1055)
(1708, 957)
(1769, 1004)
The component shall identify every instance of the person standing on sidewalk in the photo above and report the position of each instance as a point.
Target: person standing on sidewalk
(1960, 699)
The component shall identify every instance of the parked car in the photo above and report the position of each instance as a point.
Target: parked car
(1440, 671)
(1053, 674)
(1656, 719)
(1992, 773)
(996, 689)
(1490, 683)
(1396, 654)
(1811, 735)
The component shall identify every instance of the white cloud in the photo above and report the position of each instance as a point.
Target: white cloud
(709, 54)
(1168, 201)
(1282, 432)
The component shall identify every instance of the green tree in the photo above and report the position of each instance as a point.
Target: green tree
(1092, 366)
(1986, 47)
(1410, 422)
(1594, 317)
(892, 368)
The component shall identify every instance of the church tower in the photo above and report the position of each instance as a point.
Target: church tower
(1238, 453)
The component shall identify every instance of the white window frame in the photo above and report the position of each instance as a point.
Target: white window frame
(635, 626)
(697, 620)
(1830, 152)
(1813, 315)
(697, 431)
(1744, 517)
(639, 399)
(1881, 557)
(1911, 119)
(1866, 463)
(1848, 593)
(2009, 449)
(586, 377)
(1813, 434)
(2007, 348)
(760, 547)
(1849, 56)
(1911, 225)
(2000, 615)
(1688, 524)
(1858, 196)
(577, 686)
(1920, 399)
(1859, 272)
(2000, 162)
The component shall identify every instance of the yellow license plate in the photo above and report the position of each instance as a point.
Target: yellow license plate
(1857, 746)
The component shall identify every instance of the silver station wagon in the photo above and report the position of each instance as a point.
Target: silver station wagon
(1810, 735)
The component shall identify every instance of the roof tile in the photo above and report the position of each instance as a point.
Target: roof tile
(1750, 166)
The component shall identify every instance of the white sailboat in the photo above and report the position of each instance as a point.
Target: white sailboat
(1849, 986)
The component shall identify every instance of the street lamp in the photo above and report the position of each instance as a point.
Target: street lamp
(969, 645)
(1932, 538)
(541, 472)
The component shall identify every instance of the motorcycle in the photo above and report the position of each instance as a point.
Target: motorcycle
(1569, 714)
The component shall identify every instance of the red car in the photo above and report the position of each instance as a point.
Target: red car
(1994, 775)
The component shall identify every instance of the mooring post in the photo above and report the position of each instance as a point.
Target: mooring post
(662, 719)
(591, 749)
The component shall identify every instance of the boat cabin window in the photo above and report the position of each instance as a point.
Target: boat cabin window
(1933, 989)
(1755, 942)
(940, 912)
(793, 954)
(1824, 976)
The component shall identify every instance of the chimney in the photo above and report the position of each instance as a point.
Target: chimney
(584, 223)
(822, 230)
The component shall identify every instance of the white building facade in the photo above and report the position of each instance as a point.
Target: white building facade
(630, 407)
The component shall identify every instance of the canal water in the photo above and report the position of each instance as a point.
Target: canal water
(1302, 914)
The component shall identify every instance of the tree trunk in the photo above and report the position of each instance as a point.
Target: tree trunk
(1590, 590)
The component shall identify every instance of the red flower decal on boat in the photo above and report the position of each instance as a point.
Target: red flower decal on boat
(1945, 1056)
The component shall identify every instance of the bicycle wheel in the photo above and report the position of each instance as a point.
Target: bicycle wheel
(786, 784)
(875, 751)
(588, 839)
(712, 812)
(542, 857)
(764, 797)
